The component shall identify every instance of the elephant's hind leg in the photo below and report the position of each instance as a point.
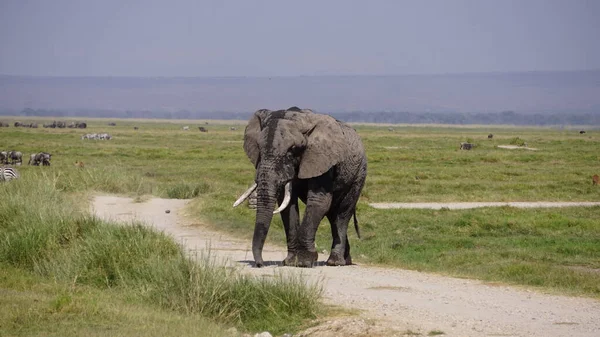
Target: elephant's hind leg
(340, 248)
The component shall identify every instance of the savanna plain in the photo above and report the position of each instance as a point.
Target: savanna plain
(64, 272)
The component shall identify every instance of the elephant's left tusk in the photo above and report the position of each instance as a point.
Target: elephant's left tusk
(245, 195)
(286, 198)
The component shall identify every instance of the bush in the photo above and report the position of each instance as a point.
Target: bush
(517, 141)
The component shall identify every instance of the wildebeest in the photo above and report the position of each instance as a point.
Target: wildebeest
(4, 125)
(17, 124)
(581, 132)
(391, 129)
(56, 124)
(112, 124)
(3, 157)
(490, 136)
(466, 146)
(40, 158)
(202, 129)
(595, 179)
(233, 128)
(135, 128)
(15, 157)
(78, 125)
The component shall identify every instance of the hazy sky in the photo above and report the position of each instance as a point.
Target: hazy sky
(281, 38)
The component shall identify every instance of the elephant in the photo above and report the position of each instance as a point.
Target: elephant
(301, 154)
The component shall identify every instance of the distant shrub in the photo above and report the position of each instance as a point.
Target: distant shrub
(517, 141)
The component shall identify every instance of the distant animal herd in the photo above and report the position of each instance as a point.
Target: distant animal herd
(16, 158)
(101, 136)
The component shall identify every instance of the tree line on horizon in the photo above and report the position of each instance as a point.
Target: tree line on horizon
(383, 117)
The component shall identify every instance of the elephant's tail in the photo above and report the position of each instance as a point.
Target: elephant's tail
(356, 224)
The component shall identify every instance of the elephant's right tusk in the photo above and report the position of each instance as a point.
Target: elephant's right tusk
(286, 198)
(245, 195)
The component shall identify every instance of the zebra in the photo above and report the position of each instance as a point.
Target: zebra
(8, 173)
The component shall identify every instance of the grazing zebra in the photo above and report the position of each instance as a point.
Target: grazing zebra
(8, 173)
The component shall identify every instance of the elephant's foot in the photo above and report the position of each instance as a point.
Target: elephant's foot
(291, 259)
(259, 263)
(303, 259)
(337, 260)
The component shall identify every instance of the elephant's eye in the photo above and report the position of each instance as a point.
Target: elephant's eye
(296, 149)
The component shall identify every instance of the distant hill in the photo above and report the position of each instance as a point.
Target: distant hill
(542, 93)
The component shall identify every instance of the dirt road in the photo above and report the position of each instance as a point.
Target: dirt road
(406, 301)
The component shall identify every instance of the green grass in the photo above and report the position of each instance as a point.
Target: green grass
(45, 236)
(41, 307)
(553, 249)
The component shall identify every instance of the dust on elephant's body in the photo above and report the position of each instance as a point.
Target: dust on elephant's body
(302, 155)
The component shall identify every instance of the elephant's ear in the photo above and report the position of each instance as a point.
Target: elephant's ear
(251, 135)
(325, 147)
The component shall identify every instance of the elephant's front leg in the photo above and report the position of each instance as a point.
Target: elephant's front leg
(318, 201)
(291, 222)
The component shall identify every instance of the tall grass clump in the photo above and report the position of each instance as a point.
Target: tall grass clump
(42, 231)
(517, 141)
(184, 190)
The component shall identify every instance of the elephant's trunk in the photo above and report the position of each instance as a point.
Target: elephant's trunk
(266, 199)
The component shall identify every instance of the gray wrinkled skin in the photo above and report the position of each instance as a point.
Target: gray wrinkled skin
(325, 162)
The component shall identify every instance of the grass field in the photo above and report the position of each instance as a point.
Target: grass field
(553, 249)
